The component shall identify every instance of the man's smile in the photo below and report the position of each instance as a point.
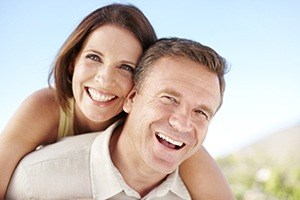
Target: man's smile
(168, 142)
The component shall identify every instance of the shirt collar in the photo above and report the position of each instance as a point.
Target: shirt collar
(105, 175)
(174, 184)
(102, 174)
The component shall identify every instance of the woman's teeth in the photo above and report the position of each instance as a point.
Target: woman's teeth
(100, 97)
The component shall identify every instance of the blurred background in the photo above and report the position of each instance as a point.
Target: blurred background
(254, 136)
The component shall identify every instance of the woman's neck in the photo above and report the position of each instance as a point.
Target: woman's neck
(81, 124)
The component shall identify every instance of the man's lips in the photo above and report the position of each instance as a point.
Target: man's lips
(169, 142)
(99, 97)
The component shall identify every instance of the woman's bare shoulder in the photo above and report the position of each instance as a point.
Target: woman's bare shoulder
(45, 96)
(39, 114)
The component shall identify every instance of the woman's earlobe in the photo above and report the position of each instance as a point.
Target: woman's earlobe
(71, 68)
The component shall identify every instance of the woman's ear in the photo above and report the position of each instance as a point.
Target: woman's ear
(127, 106)
(71, 68)
(72, 65)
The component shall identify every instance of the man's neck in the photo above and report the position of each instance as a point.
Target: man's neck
(135, 172)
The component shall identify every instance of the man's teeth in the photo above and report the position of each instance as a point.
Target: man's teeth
(177, 143)
(100, 97)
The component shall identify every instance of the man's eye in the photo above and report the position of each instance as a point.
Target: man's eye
(128, 68)
(202, 113)
(169, 99)
(93, 57)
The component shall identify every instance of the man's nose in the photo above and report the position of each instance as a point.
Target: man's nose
(181, 120)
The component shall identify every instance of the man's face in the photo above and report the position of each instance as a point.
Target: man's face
(168, 119)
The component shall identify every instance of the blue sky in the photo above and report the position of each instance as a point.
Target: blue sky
(259, 39)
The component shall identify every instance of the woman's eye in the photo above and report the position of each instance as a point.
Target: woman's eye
(93, 57)
(128, 68)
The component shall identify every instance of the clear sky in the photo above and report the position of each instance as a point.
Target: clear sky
(259, 39)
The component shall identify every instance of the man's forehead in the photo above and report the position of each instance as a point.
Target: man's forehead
(179, 68)
(183, 77)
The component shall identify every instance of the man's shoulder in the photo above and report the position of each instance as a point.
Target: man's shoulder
(66, 148)
(55, 171)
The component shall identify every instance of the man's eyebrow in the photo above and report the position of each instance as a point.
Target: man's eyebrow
(174, 93)
(171, 92)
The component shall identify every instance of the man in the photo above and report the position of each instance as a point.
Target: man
(179, 84)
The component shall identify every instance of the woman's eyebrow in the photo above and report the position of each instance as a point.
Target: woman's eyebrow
(93, 51)
(101, 54)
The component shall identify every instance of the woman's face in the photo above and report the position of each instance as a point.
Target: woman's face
(102, 72)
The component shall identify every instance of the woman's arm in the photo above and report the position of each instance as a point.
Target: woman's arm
(204, 179)
(34, 123)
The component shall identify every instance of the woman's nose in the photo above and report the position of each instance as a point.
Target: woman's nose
(105, 76)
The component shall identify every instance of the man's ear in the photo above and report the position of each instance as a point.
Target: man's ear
(127, 106)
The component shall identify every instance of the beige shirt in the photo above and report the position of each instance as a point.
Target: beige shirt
(80, 167)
